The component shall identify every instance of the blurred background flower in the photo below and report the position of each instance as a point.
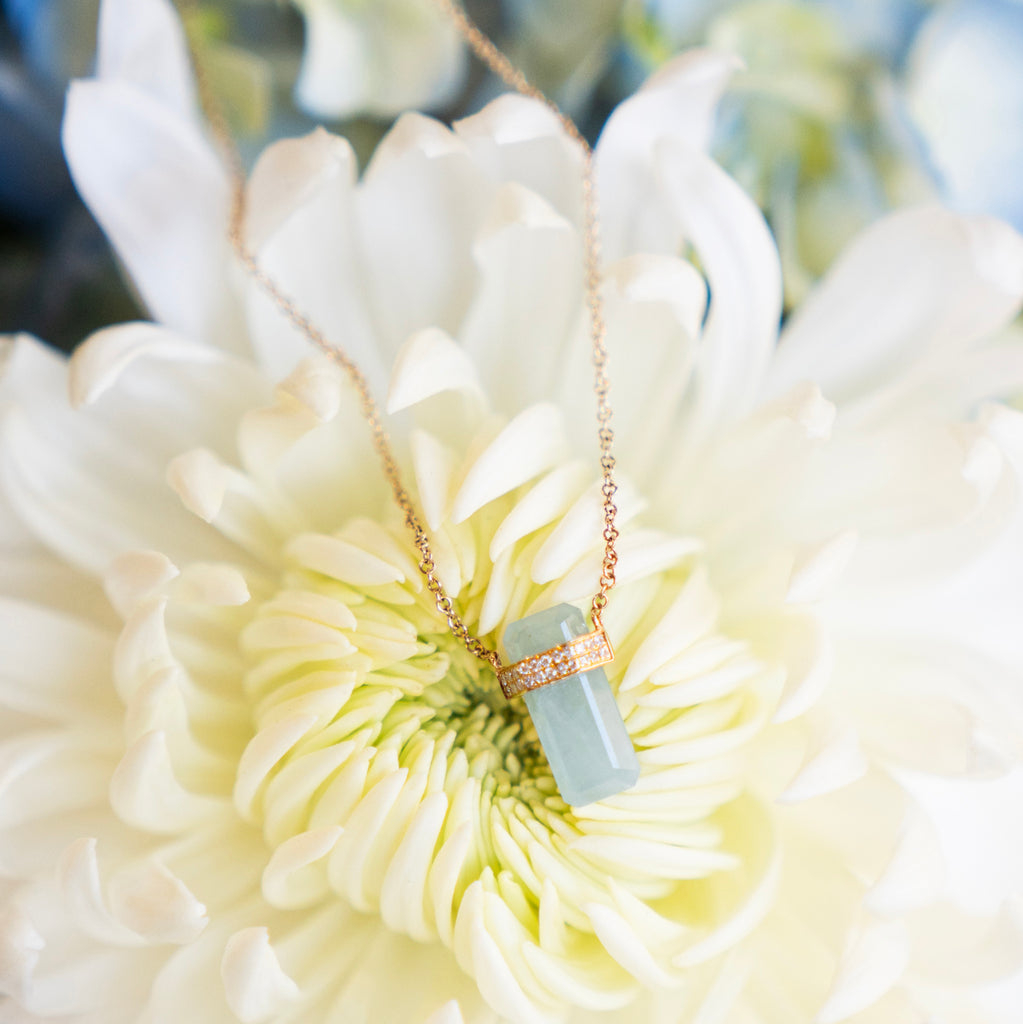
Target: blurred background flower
(845, 109)
(848, 109)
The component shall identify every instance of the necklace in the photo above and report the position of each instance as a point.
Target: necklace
(556, 661)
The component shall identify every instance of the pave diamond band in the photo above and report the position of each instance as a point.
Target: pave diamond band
(567, 659)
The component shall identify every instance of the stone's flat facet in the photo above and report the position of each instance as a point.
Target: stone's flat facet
(577, 719)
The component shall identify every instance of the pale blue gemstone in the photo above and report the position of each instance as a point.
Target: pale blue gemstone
(578, 722)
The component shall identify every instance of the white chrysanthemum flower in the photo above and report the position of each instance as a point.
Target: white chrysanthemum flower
(377, 58)
(252, 778)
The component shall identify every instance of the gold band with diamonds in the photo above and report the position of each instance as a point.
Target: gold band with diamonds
(568, 659)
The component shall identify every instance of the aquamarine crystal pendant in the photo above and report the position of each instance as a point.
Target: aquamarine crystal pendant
(556, 666)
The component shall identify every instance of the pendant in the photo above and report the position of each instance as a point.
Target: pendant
(557, 668)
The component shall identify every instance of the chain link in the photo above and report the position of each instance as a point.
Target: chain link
(490, 55)
(494, 59)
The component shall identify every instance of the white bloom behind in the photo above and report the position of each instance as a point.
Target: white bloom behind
(377, 58)
(965, 92)
(253, 779)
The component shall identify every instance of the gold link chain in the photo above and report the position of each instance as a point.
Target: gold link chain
(490, 55)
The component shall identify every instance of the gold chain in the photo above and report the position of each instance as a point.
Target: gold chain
(490, 55)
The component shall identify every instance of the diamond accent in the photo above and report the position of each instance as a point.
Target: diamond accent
(568, 659)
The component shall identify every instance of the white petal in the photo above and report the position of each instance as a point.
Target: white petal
(962, 950)
(155, 904)
(337, 66)
(435, 468)
(962, 86)
(915, 875)
(518, 139)
(31, 573)
(160, 195)
(141, 43)
(404, 904)
(419, 207)
(255, 517)
(626, 947)
(806, 407)
(449, 1013)
(54, 666)
(654, 308)
(679, 102)
(99, 362)
(818, 567)
(255, 984)
(421, 58)
(350, 563)
(84, 899)
(548, 499)
(735, 247)
(918, 283)
(136, 576)
(803, 646)
(90, 483)
(974, 828)
(221, 586)
(428, 364)
(20, 947)
(618, 853)
(834, 759)
(295, 875)
(143, 646)
(317, 384)
(381, 59)
(917, 712)
(145, 793)
(873, 961)
(301, 228)
(692, 614)
(529, 445)
(309, 469)
(762, 860)
(528, 302)
(200, 480)
(495, 978)
(579, 529)
(191, 390)
(260, 757)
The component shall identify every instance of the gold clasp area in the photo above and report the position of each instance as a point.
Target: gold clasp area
(568, 659)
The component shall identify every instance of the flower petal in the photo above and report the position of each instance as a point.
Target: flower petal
(141, 43)
(733, 243)
(515, 138)
(145, 793)
(527, 305)
(678, 102)
(873, 961)
(53, 666)
(302, 230)
(419, 207)
(256, 987)
(918, 283)
(156, 188)
(529, 445)
(430, 363)
(915, 874)
(379, 59)
(833, 760)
